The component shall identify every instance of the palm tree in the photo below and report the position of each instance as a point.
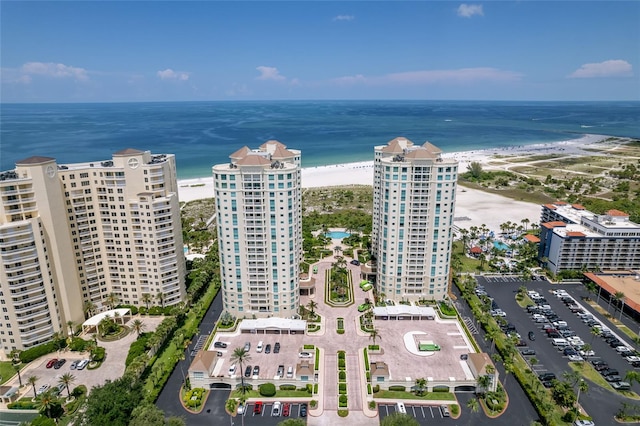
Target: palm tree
(89, 307)
(32, 380)
(138, 326)
(241, 356)
(231, 407)
(67, 379)
(632, 376)
(112, 300)
(484, 382)
(508, 368)
(374, 334)
(15, 362)
(70, 328)
(160, 297)
(46, 403)
(583, 387)
(147, 298)
(473, 405)
(312, 305)
(421, 386)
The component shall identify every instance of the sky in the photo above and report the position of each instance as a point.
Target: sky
(126, 51)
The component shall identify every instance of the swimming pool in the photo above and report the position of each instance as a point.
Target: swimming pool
(337, 235)
(500, 245)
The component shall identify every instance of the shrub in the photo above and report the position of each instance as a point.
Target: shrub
(343, 400)
(30, 354)
(309, 388)
(341, 355)
(369, 388)
(315, 388)
(78, 344)
(267, 390)
(99, 354)
(155, 310)
(23, 405)
(372, 405)
(340, 331)
(313, 403)
(342, 376)
(455, 409)
(368, 376)
(132, 308)
(397, 388)
(288, 387)
(137, 348)
(341, 364)
(308, 346)
(569, 416)
(376, 389)
(342, 388)
(343, 413)
(78, 391)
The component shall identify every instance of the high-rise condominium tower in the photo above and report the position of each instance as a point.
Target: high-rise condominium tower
(259, 214)
(413, 208)
(72, 234)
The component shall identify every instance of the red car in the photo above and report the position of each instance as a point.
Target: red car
(52, 362)
(257, 409)
(285, 409)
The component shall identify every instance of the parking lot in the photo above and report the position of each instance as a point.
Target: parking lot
(424, 414)
(554, 359)
(265, 417)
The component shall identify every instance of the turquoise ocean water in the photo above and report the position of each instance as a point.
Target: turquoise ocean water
(201, 134)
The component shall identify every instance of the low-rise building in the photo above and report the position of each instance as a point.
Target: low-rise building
(573, 238)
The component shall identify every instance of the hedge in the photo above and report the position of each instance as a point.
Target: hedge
(342, 376)
(36, 352)
(342, 388)
(137, 348)
(78, 344)
(397, 388)
(341, 364)
(99, 354)
(287, 387)
(267, 389)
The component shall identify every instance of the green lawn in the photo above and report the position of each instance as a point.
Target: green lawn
(430, 396)
(6, 371)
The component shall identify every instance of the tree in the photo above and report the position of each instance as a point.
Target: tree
(421, 386)
(399, 419)
(112, 403)
(89, 307)
(70, 328)
(112, 300)
(138, 326)
(160, 298)
(374, 334)
(632, 376)
(475, 169)
(67, 379)
(473, 405)
(15, 362)
(32, 380)
(484, 382)
(147, 298)
(312, 305)
(241, 356)
(563, 394)
(147, 414)
(618, 297)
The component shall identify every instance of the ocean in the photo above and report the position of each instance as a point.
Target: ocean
(202, 134)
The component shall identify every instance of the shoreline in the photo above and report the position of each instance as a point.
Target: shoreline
(361, 173)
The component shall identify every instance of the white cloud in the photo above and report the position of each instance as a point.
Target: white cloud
(269, 73)
(610, 68)
(468, 10)
(463, 75)
(170, 74)
(344, 18)
(54, 70)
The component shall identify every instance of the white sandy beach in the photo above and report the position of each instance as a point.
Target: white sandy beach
(473, 207)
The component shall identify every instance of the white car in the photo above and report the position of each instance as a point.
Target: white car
(623, 350)
(575, 358)
(242, 408)
(305, 355)
(587, 353)
(633, 358)
(584, 423)
(275, 411)
(42, 389)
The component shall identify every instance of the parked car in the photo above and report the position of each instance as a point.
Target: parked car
(256, 370)
(267, 349)
(82, 364)
(242, 408)
(74, 364)
(57, 389)
(276, 348)
(59, 363)
(42, 389)
(247, 371)
(613, 378)
(52, 362)
(532, 335)
(445, 410)
(528, 351)
(621, 385)
(305, 355)
(247, 346)
(220, 345)
(280, 371)
(286, 407)
(547, 376)
(583, 423)
(275, 410)
(303, 409)
(355, 262)
(257, 408)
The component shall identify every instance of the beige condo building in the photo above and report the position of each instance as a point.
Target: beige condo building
(413, 209)
(259, 216)
(72, 234)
